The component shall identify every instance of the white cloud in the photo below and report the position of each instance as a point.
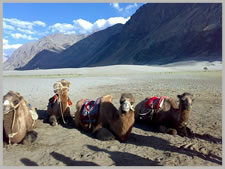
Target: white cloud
(39, 23)
(81, 26)
(117, 6)
(9, 27)
(23, 24)
(27, 31)
(61, 27)
(6, 45)
(131, 6)
(22, 36)
(125, 10)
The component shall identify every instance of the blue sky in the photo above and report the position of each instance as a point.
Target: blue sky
(25, 22)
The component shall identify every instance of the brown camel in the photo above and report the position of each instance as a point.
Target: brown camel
(19, 119)
(107, 122)
(59, 105)
(164, 113)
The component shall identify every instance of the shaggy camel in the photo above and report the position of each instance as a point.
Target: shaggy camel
(104, 120)
(59, 105)
(164, 113)
(19, 119)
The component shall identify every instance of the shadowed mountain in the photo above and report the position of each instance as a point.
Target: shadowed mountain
(158, 33)
(75, 55)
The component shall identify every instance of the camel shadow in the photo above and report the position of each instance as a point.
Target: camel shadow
(124, 158)
(208, 137)
(69, 162)
(164, 145)
(28, 162)
(43, 115)
(192, 135)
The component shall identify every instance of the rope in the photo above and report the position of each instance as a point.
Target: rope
(60, 87)
(13, 108)
(13, 134)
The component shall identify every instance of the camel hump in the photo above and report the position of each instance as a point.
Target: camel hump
(106, 98)
(172, 102)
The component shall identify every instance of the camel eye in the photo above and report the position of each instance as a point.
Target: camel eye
(15, 102)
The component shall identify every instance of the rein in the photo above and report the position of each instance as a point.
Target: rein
(58, 86)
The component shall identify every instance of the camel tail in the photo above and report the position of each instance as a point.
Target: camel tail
(30, 137)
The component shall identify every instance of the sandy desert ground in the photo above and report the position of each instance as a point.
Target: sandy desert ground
(67, 146)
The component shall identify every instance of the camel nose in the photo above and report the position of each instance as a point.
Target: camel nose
(126, 106)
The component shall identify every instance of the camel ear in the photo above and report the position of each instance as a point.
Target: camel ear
(20, 98)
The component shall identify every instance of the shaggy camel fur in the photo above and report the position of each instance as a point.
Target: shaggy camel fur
(111, 122)
(59, 105)
(170, 117)
(19, 119)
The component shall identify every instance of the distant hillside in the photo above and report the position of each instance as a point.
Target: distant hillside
(76, 55)
(156, 34)
(54, 43)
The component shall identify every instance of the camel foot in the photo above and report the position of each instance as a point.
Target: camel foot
(190, 133)
(104, 134)
(172, 131)
(30, 137)
(53, 120)
(182, 132)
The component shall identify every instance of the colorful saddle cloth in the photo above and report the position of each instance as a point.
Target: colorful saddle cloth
(152, 105)
(89, 112)
(155, 102)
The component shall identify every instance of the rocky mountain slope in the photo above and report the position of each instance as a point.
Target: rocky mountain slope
(158, 33)
(54, 43)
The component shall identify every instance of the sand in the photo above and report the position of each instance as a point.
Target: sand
(66, 146)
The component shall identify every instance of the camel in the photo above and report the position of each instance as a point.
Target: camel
(59, 105)
(107, 122)
(19, 119)
(165, 114)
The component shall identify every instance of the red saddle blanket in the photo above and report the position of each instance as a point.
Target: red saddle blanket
(89, 112)
(155, 102)
(53, 99)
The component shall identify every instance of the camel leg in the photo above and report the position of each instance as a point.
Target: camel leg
(190, 132)
(30, 137)
(103, 134)
(182, 131)
(164, 129)
(53, 120)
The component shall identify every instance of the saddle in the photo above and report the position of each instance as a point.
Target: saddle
(152, 105)
(89, 112)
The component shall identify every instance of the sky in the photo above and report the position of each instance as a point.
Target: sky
(26, 22)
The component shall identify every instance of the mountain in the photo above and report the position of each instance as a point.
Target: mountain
(75, 55)
(158, 33)
(165, 33)
(54, 43)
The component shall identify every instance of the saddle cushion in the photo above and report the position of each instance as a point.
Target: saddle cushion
(89, 112)
(155, 102)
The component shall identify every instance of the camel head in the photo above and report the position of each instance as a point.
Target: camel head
(11, 101)
(126, 102)
(186, 100)
(61, 86)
